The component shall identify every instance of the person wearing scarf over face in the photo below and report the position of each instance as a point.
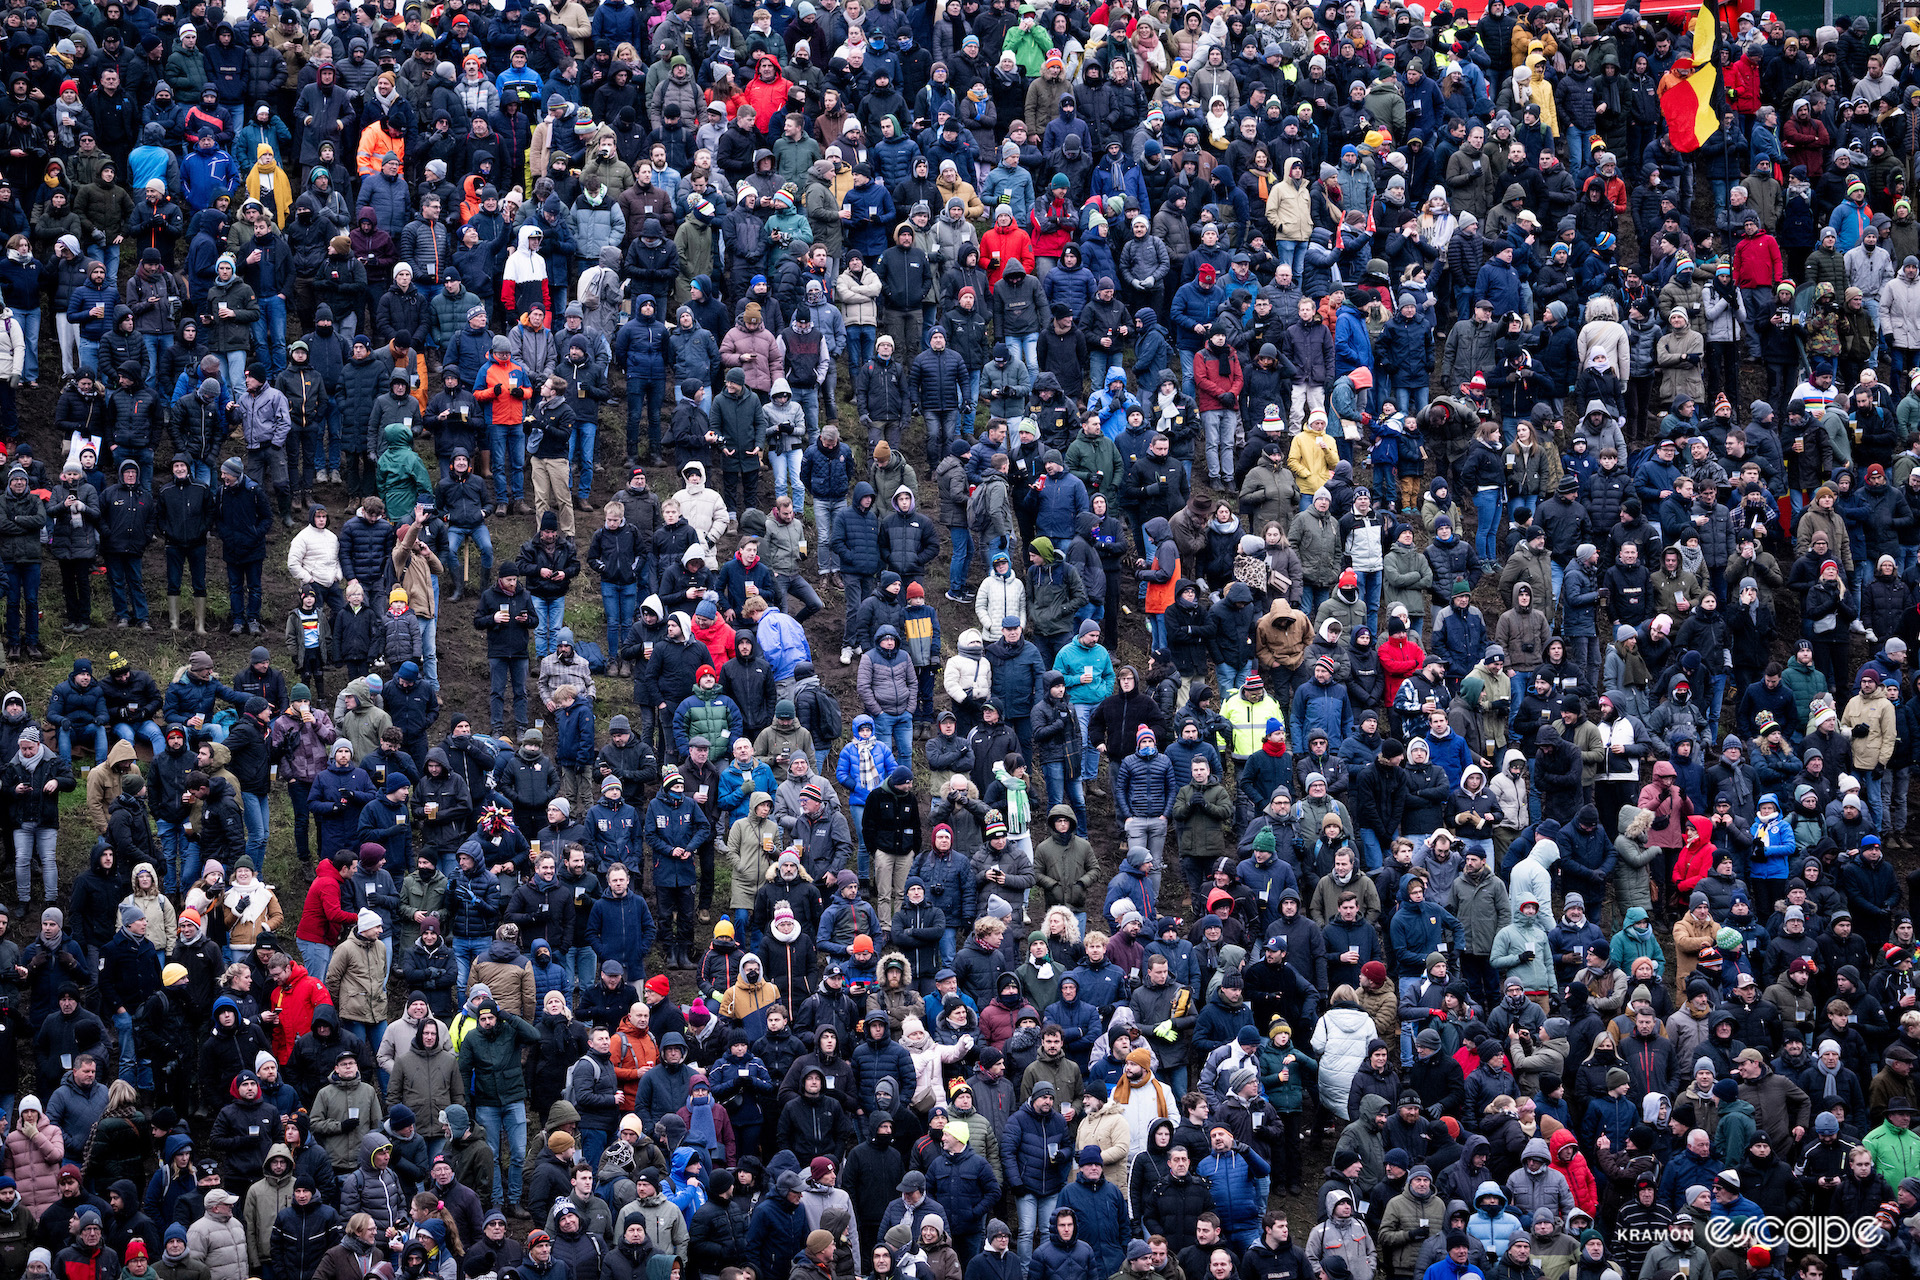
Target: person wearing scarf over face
(523, 282)
(708, 1127)
(1142, 1098)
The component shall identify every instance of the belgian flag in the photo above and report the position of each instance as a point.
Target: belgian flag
(1686, 92)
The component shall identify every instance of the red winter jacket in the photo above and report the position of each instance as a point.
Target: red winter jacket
(295, 1003)
(323, 918)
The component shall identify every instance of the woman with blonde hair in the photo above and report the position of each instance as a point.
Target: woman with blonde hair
(1533, 468)
(118, 1146)
(35, 1150)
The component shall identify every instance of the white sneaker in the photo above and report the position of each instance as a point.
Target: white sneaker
(846, 656)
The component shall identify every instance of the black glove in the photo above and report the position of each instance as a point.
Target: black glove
(1228, 400)
(1526, 957)
(1240, 1148)
(1419, 1233)
(1861, 731)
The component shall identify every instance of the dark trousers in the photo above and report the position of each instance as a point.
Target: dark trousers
(676, 914)
(297, 792)
(76, 585)
(706, 875)
(508, 672)
(182, 559)
(741, 489)
(243, 591)
(859, 587)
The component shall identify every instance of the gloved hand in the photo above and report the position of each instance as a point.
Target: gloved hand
(1419, 1233)
(1165, 1030)
(1239, 1148)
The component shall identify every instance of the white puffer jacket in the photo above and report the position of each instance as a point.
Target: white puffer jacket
(314, 556)
(1340, 1038)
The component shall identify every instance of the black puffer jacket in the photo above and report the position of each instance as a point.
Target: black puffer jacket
(365, 548)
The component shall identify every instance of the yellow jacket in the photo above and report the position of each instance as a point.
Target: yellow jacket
(1249, 720)
(1312, 459)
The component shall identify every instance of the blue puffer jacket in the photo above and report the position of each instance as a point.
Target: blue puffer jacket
(72, 707)
(1144, 787)
(827, 475)
(674, 821)
(894, 159)
(1079, 1023)
(1233, 1177)
(83, 300)
(1100, 987)
(622, 929)
(388, 200)
(1026, 1147)
(616, 22)
(640, 347)
(1056, 1259)
(874, 1061)
(965, 1184)
(1100, 1219)
(856, 533)
(1062, 503)
(1070, 284)
(188, 697)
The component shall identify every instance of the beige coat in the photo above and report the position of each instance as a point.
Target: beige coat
(1290, 209)
(1107, 1129)
(357, 978)
(1874, 711)
(859, 299)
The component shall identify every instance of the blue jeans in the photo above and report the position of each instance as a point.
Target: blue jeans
(148, 732)
(897, 729)
(786, 478)
(1089, 758)
(1227, 677)
(1034, 1211)
(962, 560)
(510, 1121)
(270, 333)
(1064, 790)
(860, 339)
(330, 442)
(254, 809)
(1486, 537)
(30, 330)
(621, 603)
(132, 1069)
(549, 616)
(1370, 849)
(1579, 150)
(465, 952)
(583, 965)
(1370, 580)
(943, 428)
(173, 851)
(586, 431)
(855, 812)
(1028, 348)
(508, 444)
(481, 538)
(98, 739)
(157, 345)
(89, 355)
(1293, 253)
(129, 592)
(318, 955)
(972, 400)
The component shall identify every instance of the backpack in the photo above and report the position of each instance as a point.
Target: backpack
(594, 656)
(977, 511)
(577, 1096)
(826, 714)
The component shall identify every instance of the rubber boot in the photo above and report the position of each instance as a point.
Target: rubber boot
(199, 615)
(173, 613)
